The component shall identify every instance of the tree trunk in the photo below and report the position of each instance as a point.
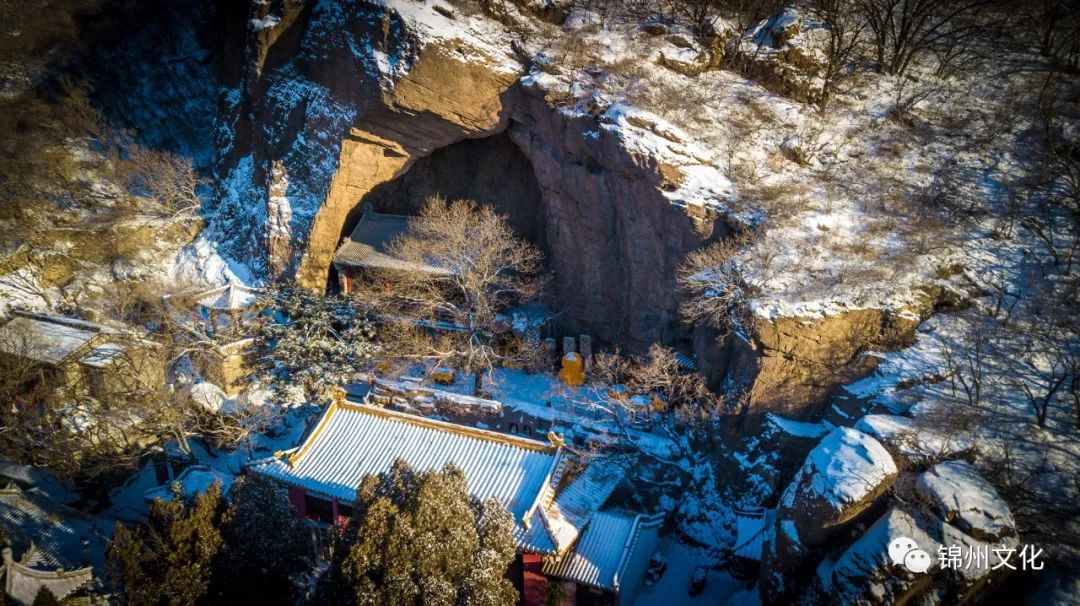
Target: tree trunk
(478, 381)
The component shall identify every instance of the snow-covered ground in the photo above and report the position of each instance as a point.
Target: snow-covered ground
(832, 196)
(674, 587)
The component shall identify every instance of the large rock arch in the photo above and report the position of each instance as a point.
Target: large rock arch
(440, 101)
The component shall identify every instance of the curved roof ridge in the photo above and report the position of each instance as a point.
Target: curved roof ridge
(466, 430)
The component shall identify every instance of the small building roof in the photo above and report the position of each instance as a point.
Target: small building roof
(33, 520)
(579, 499)
(351, 441)
(231, 297)
(103, 355)
(193, 481)
(603, 555)
(22, 580)
(48, 339)
(367, 245)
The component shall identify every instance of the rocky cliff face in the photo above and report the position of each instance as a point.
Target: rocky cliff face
(153, 68)
(615, 240)
(342, 99)
(332, 106)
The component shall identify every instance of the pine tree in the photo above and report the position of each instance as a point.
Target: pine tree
(45, 597)
(265, 545)
(167, 560)
(314, 341)
(420, 538)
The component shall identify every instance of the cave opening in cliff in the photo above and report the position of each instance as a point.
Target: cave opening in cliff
(490, 171)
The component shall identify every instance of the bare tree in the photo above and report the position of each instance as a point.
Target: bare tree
(844, 29)
(966, 360)
(904, 30)
(1055, 25)
(698, 13)
(27, 280)
(169, 183)
(460, 266)
(907, 94)
(655, 390)
(715, 290)
(744, 13)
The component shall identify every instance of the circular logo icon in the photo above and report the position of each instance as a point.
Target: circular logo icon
(917, 561)
(899, 548)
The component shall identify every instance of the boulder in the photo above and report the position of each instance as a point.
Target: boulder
(207, 396)
(864, 573)
(841, 478)
(911, 443)
(962, 497)
(950, 513)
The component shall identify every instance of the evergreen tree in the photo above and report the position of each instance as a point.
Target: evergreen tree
(45, 597)
(420, 538)
(265, 545)
(167, 560)
(313, 341)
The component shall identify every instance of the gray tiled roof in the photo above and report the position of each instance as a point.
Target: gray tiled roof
(31, 520)
(229, 297)
(47, 339)
(601, 555)
(352, 441)
(103, 355)
(367, 245)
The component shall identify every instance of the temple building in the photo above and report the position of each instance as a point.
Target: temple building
(555, 500)
(222, 316)
(53, 541)
(368, 248)
(82, 358)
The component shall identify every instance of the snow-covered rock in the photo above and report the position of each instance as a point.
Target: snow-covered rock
(841, 476)
(964, 498)
(950, 513)
(865, 574)
(840, 479)
(911, 443)
(208, 396)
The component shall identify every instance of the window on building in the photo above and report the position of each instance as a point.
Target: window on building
(344, 511)
(320, 510)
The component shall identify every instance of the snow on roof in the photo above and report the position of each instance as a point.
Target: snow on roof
(36, 481)
(102, 355)
(368, 243)
(599, 558)
(845, 467)
(48, 339)
(352, 441)
(32, 519)
(193, 481)
(571, 508)
(963, 496)
(24, 579)
(231, 297)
